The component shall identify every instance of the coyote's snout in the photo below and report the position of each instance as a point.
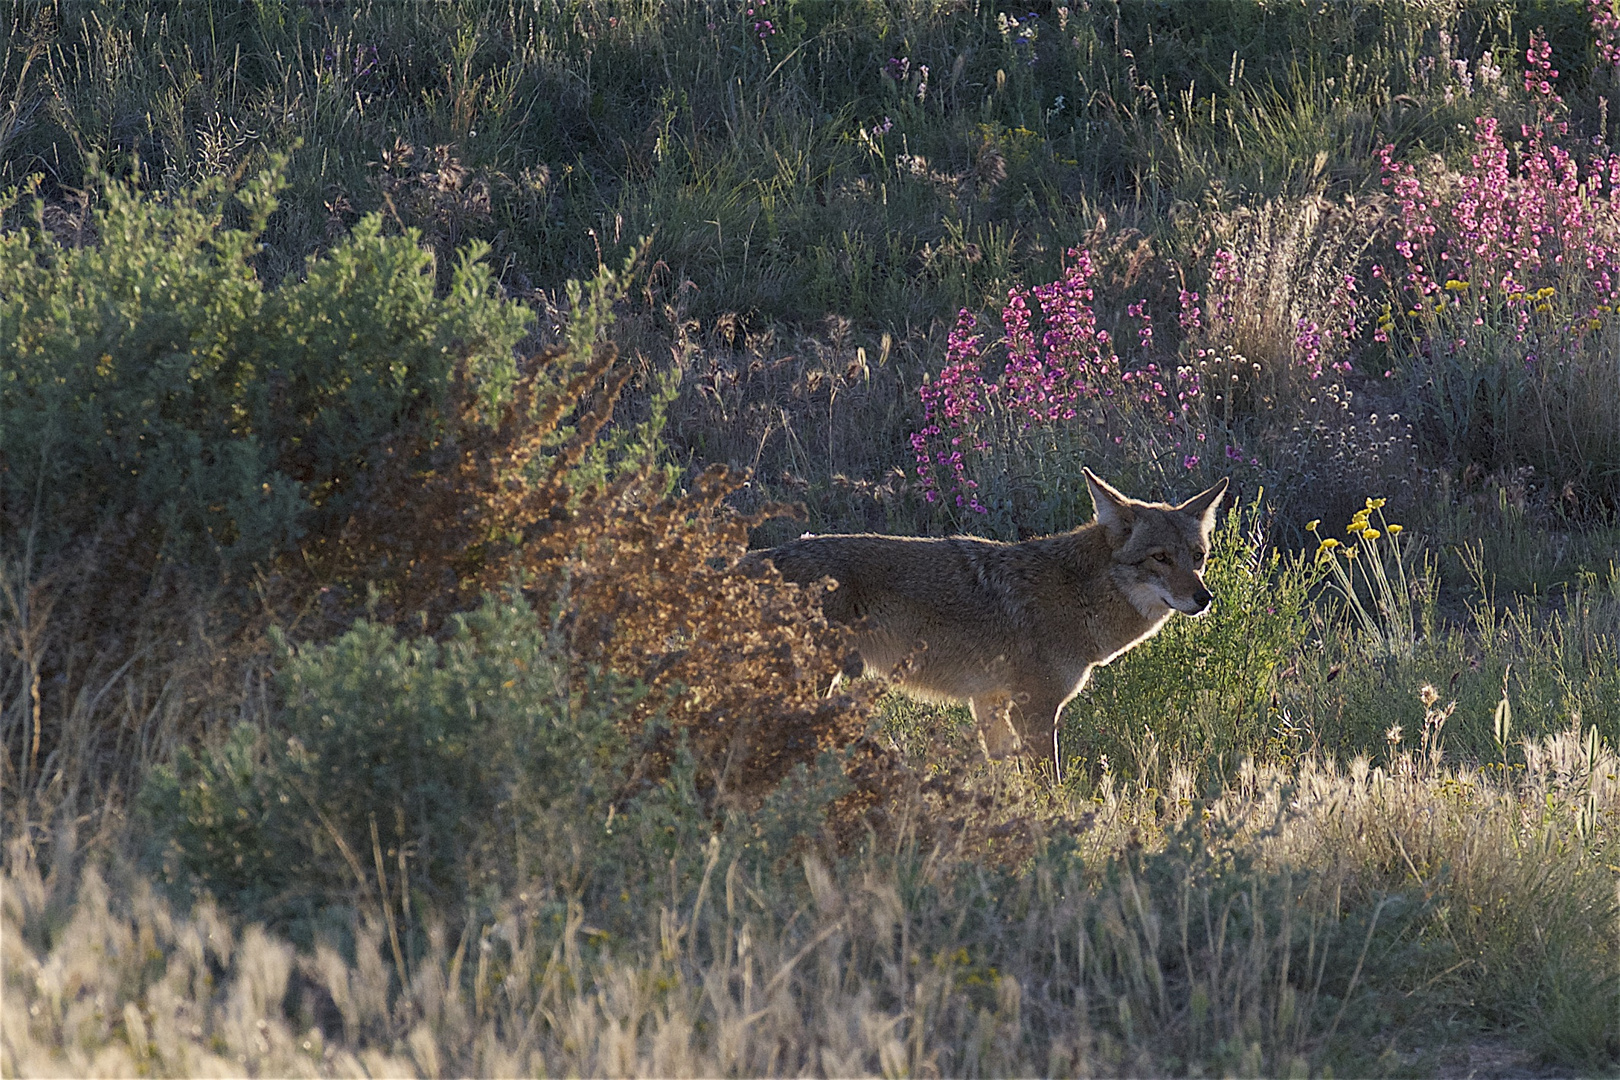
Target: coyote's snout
(1013, 629)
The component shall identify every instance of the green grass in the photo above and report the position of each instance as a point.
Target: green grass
(593, 126)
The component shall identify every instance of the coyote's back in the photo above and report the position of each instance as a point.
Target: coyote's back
(1013, 629)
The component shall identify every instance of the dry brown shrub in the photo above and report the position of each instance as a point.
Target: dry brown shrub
(105, 664)
(642, 585)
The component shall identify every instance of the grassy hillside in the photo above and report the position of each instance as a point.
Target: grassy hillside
(387, 392)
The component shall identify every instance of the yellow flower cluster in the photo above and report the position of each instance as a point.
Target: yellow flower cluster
(1360, 526)
(1371, 579)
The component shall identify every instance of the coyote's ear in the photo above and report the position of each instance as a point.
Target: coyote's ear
(1114, 510)
(1204, 505)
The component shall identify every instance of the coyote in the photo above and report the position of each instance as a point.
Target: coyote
(1013, 629)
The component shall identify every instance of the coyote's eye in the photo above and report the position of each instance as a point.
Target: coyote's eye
(1198, 560)
(1161, 557)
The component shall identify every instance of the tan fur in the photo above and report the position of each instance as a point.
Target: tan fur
(1013, 629)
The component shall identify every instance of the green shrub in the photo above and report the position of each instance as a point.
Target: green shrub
(1203, 690)
(460, 765)
(153, 385)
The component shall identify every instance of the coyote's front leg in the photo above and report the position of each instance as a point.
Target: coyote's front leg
(1025, 725)
(1035, 716)
(997, 735)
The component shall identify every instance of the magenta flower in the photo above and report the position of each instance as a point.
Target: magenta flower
(1060, 367)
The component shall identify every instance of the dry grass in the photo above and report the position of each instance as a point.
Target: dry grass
(96, 686)
(1318, 898)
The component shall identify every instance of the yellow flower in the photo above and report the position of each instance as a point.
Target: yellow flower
(1349, 552)
(1329, 544)
(1357, 525)
(1375, 504)
(1394, 530)
(1372, 534)
(1310, 526)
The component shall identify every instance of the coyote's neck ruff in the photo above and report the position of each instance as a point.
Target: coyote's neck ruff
(1013, 629)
